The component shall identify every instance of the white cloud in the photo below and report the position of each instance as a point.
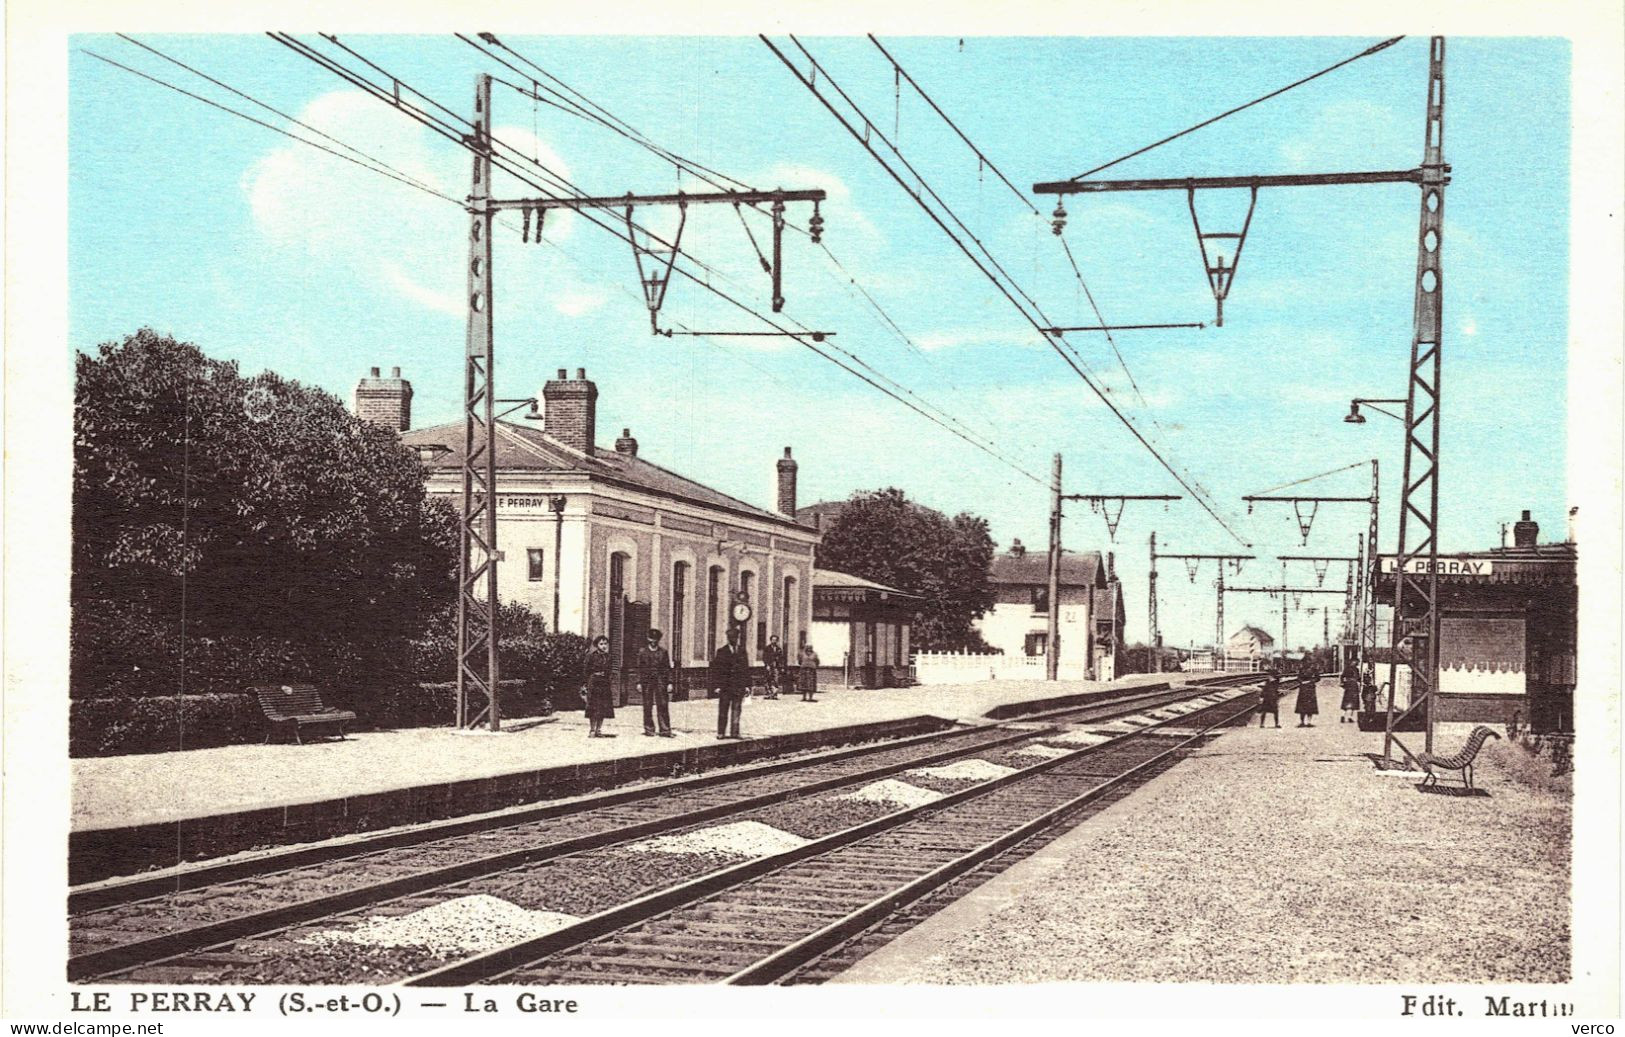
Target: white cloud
(354, 226)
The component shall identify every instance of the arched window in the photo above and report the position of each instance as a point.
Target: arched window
(787, 612)
(679, 612)
(615, 611)
(713, 610)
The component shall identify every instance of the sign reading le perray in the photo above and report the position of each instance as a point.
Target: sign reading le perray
(1447, 566)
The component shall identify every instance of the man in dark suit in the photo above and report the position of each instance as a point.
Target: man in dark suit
(773, 662)
(654, 685)
(730, 677)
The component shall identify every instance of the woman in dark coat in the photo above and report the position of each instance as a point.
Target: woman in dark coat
(807, 674)
(1308, 702)
(1351, 693)
(1269, 699)
(595, 671)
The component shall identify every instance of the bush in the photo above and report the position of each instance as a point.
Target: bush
(116, 726)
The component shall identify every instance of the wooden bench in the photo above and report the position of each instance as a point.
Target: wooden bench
(296, 707)
(1462, 761)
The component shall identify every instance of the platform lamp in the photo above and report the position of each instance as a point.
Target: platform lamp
(1354, 417)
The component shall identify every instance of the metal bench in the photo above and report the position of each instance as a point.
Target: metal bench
(1461, 761)
(298, 706)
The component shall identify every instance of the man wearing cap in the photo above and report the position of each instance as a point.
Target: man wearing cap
(654, 685)
(730, 678)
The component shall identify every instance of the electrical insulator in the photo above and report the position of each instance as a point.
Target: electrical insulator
(1058, 218)
(815, 226)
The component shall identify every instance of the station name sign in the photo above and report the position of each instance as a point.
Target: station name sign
(1446, 567)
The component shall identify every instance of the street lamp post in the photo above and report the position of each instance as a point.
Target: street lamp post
(1354, 417)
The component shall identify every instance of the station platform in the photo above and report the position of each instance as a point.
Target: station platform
(1278, 856)
(136, 813)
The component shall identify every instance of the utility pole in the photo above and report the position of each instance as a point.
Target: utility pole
(1156, 636)
(477, 668)
(1102, 502)
(1052, 647)
(1192, 562)
(1418, 528)
(1416, 580)
(478, 674)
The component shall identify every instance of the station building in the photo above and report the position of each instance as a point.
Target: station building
(605, 541)
(1507, 630)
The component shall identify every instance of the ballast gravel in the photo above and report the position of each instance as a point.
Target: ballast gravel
(890, 790)
(466, 925)
(964, 770)
(741, 839)
(1077, 737)
(1042, 752)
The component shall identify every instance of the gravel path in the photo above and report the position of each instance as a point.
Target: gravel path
(1275, 857)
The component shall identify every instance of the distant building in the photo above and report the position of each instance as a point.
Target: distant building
(861, 629)
(1249, 643)
(1507, 630)
(604, 541)
(1018, 623)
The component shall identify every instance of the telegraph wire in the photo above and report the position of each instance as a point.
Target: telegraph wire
(983, 160)
(863, 138)
(384, 169)
(609, 120)
(1384, 45)
(450, 132)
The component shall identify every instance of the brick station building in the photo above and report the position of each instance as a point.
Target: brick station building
(1507, 631)
(605, 541)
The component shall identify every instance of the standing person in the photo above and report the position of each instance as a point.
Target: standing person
(1368, 690)
(1351, 693)
(595, 672)
(807, 674)
(1269, 698)
(654, 685)
(730, 677)
(1308, 702)
(773, 662)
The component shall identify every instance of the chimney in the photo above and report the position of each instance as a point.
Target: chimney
(626, 444)
(570, 410)
(1111, 566)
(385, 401)
(1574, 516)
(1017, 548)
(1524, 532)
(787, 484)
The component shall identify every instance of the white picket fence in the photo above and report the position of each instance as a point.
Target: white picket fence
(971, 667)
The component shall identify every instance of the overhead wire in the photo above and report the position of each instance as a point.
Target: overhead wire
(596, 112)
(984, 160)
(1384, 45)
(1010, 291)
(375, 165)
(450, 132)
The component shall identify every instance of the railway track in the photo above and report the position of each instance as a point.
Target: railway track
(763, 920)
(193, 926)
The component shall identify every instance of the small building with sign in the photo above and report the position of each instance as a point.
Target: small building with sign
(605, 541)
(861, 630)
(1507, 630)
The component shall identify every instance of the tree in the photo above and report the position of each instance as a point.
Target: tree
(882, 536)
(222, 522)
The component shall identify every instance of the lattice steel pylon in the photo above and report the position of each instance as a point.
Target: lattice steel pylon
(478, 674)
(1368, 584)
(1416, 578)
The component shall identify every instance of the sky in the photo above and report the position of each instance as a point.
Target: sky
(269, 252)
